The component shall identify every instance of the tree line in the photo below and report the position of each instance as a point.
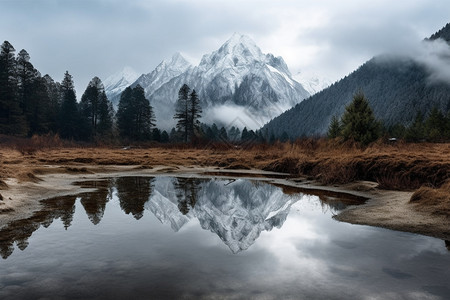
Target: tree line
(359, 124)
(33, 104)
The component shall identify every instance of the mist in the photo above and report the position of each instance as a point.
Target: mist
(435, 55)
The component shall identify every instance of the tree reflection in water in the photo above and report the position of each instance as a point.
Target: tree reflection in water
(95, 203)
(133, 193)
(249, 206)
(186, 190)
(19, 231)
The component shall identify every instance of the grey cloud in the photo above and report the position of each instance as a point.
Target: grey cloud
(97, 38)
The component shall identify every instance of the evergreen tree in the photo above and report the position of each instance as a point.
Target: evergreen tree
(188, 112)
(12, 120)
(435, 125)
(124, 113)
(214, 132)
(33, 95)
(334, 130)
(416, 131)
(25, 78)
(70, 120)
(175, 136)
(135, 116)
(223, 136)
(156, 135)
(209, 134)
(164, 137)
(245, 135)
(234, 134)
(144, 116)
(105, 117)
(53, 91)
(194, 113)
(96, 110)
(38, 117)
(182, 111)
(358, 122)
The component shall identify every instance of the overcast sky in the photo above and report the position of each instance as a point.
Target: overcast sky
(99, 37)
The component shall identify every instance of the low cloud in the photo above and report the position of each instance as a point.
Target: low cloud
(233, 115)
(435, 55)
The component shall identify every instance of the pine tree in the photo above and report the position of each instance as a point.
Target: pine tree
(69, 117)
(135, 116)
(156, 135)
(188, 112)
(33, 95)
(334, 130)
(53, 91)
(164, 137)
(25, 78)
(39, 115)
(96, 110)
(144, 116)
(244, 135)
(358, 122)
(416, 131)
(12, 120)
(124, 113)
(182, 111)
(223, 136)
(105, 117)
(194, 112)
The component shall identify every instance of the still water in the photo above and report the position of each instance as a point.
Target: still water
(199, 238)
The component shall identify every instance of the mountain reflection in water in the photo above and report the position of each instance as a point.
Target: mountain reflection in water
(237, 210)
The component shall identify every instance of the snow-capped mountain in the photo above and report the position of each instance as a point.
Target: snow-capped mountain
(164, 72)
(237, 212)
(237, 81)
(116, 83)
(313, 83)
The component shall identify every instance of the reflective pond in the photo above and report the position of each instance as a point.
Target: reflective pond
(203, 238)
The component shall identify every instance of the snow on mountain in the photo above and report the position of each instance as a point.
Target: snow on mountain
(116, 83)
(164, 72)
(313, 83)
(236, 212)
(164, 204)
(236, 83)
(237, 78)
(240, 211)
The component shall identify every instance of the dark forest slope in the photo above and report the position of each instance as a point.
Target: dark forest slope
(397, 88)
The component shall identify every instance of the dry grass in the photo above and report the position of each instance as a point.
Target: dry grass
(399, 166)
(394, 166)
(436, 201)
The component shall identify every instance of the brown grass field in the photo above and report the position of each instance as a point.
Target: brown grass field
(423, 167)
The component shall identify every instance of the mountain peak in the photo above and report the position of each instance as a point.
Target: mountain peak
(241, 44)
(238, 38)
(443, 33)
(238, 50)
(179, 61)
(120, 80)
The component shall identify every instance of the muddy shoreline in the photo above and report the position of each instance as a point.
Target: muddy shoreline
(383, 208)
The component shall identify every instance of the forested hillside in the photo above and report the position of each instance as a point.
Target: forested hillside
(397, 87)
